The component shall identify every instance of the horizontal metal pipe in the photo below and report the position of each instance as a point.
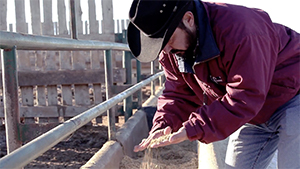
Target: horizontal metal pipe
(36, 42)
(24, 155)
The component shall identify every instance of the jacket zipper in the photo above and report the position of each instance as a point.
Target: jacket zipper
(193, 67)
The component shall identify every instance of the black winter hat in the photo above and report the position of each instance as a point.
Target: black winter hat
(152, 23)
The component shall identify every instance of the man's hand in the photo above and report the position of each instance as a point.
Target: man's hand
(175, 138)
(145, 142)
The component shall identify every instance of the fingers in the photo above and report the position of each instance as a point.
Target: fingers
(143, 145)
(139, 147)
(165, 141)
(161, 143)
(175, 138)
(145, 142)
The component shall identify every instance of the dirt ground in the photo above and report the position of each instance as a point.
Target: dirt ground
(71, 153)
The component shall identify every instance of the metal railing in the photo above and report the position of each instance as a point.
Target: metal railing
(9, 42)
(34, 42)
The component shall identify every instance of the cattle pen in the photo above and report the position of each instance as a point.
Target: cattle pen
(31, 150)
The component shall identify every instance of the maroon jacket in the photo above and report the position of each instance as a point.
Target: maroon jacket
(246, 67)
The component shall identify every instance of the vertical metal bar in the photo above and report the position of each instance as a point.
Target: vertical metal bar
(127, 60)
(153, 82)
(138, 79)
(74, 33)
(11, 103)
(108, 85)
(128, 67)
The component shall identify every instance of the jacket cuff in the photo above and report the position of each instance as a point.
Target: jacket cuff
(191, 131)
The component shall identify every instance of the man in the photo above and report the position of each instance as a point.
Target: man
(229, 71)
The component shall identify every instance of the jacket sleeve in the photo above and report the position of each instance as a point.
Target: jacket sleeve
(177, 101)
(250, 65)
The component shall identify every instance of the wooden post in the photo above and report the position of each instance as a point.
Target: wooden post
(11, 100)
(94, 24)
(21, 25)
(62, 22)
(35, 17)
(48, 24)
(108, 85)
(78, 13)
(3, 11)
(108, 22)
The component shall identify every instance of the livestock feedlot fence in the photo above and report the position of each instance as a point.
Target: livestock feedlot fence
(10, 42)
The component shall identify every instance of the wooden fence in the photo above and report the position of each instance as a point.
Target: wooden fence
(57, 85)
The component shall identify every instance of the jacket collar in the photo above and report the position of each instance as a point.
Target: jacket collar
(207, 48)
